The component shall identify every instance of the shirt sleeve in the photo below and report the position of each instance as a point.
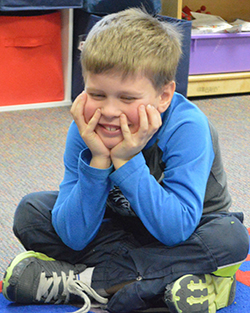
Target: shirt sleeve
(80, 206)
(172, 210)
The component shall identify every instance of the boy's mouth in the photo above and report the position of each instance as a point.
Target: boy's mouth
(110, 128)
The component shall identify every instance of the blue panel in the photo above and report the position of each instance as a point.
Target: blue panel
(84, 21)
(16, 5)
(112, 6)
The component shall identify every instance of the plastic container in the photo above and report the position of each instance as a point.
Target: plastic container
(219, 53)
(16, 5)
(31, 59)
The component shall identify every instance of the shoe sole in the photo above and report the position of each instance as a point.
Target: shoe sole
(204, 294)
(14, 263)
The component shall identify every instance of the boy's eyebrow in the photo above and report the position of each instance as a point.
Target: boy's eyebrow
(131, 92)
(89, 89)
(134, 93)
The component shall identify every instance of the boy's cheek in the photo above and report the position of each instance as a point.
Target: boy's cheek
(88, 111)
(134, 120)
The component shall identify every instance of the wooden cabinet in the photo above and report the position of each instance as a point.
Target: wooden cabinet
(214, 84)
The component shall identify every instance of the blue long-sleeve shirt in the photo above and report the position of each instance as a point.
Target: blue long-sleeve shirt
(168, 189)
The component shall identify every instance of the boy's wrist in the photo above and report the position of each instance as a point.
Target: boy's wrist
(100, 162)
(119, 162)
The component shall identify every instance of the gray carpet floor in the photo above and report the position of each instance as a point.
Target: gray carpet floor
(31, 157)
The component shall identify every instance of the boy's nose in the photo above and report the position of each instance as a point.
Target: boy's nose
(111, 109)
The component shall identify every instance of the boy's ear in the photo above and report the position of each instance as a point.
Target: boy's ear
(166, 96)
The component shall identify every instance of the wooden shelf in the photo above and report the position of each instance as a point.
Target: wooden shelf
(227, 9)
(217, 84)
(171, 8)
(214, 84)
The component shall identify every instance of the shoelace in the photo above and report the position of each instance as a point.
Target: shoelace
(70, 286)
(82, 290)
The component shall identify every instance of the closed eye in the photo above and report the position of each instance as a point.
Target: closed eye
(128, 99)
(97, 96)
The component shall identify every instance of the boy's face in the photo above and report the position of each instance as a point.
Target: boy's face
(114, 95)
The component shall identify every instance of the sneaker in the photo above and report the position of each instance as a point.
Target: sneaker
(200, 293)
(33, 277)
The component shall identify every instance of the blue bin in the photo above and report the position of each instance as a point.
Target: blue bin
(17, 5)
(84, 21)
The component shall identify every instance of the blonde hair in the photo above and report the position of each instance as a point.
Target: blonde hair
(133, 42)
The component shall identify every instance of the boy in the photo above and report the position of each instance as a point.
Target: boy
(141, 217)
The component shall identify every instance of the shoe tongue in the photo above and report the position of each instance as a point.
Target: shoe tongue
(79, 268)
(59, 267)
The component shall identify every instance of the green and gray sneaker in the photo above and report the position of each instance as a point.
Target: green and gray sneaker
(33, 277)
(200, 293)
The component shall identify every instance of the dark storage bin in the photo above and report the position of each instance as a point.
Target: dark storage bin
(16, 5)
(101, 7)
(84, 21)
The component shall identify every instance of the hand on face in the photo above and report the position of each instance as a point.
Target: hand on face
(133, 143)
(100, 153)
(128, 147)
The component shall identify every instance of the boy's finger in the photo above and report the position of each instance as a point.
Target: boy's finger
(78, 103)
(154, 118)
(94, 120)
(143, 129)
(124, 127)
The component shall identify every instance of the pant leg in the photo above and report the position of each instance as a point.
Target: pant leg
(225, 236)
(220, 240)
(33, 227)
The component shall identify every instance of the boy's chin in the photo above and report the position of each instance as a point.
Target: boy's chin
(110, 144)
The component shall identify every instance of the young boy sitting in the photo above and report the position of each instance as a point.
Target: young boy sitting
(142, 216)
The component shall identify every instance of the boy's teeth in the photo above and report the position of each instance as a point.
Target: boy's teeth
(111, 128)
